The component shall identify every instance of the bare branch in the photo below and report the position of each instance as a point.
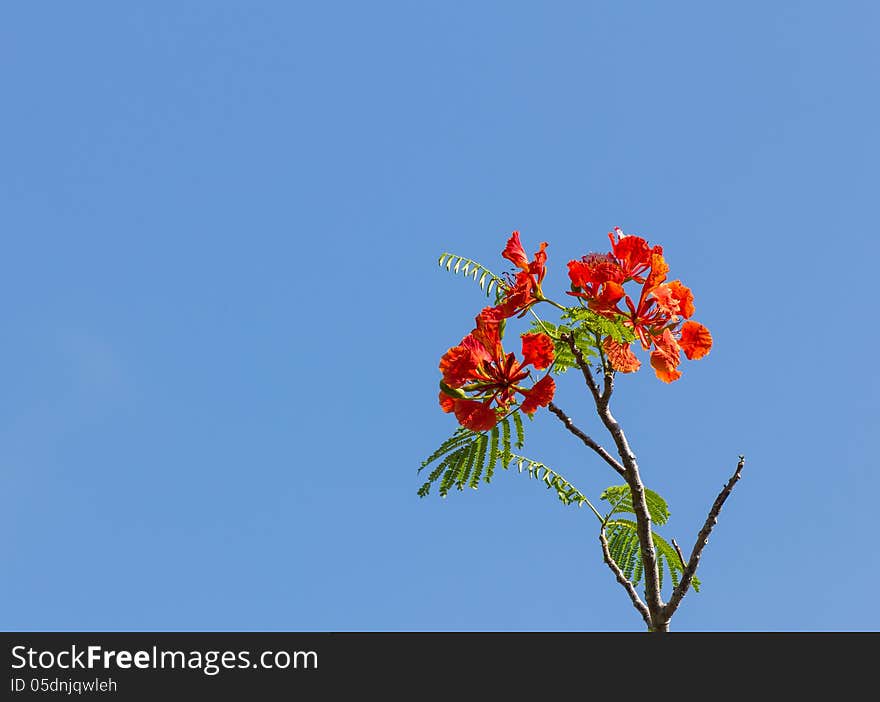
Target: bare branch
(608, 388)
(684, 564)
(621, 578)
(632, 477)
(702, 540)
(607, 457)
(583, 365)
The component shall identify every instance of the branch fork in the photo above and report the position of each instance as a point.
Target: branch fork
(654, 611)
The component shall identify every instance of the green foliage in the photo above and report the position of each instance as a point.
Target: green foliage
(620, 497)
(468, 456)
(588, 330)
(623, 538)
(567, 493)
(601, 326)
(564, 358)
(487, 280)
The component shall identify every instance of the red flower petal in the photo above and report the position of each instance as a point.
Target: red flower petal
(515, 253)
(539, 396)
(665, 358)
(474, 415)
(659, 269)
(606, 301)
(538, 350)
(633, 253)
(447, 404)
(666, 300)
(594, 268)
(519, 296)
(695, 341)
(536, 267)
(663, 367)
(458, 365)
(488, 331)
(621, 356)
(685, 298)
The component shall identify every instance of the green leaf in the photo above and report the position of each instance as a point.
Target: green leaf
(620, 498)
(506, 455)
(597, 324)
(520, 431)
(623, 545)
(494, 455)
(471, 269)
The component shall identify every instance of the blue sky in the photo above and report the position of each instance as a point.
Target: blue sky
(222, 313)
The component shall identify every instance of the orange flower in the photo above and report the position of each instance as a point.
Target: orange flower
(476, 416)
(479, 365)
(457, 365)
(632, 253)
(621, 356)
(539, 396)
(524, 290)
(695, 340)
(656, 319)
(665, 357)
(447, 403)
(537, 350)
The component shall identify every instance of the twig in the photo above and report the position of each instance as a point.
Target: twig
(621, 578)
(607, 457)
(684, 564)
(702, 540)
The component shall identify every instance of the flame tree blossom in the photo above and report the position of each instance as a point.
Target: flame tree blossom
(623, 297)
(525, 289)
(479, 366)
(660, 319)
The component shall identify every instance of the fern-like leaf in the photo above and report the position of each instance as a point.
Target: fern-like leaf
(622, 531)
(623, 545)
(621, 498)
(520, 431)
(467, 457)
(567, 493)
(589, 321)
(486, 279)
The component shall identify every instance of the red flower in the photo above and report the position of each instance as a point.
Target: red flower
(447, 403)
(695, 340)
(592, 272)
(457, 366)
(665, 358)
(539, 396)
(515, 253)
(524, 290)
(621, 356)
(479, 365)
(632, 254)
(537, 350)
(474, 415)
(656, 319)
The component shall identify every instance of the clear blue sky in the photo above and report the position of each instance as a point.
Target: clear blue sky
(222, 314)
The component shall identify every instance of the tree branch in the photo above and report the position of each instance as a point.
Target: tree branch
(583, 365)
(607, 457)
(633, 479)
(621, 578)
(702, 540)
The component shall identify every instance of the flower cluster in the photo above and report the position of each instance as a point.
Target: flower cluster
(657, 319)
(480, 381)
